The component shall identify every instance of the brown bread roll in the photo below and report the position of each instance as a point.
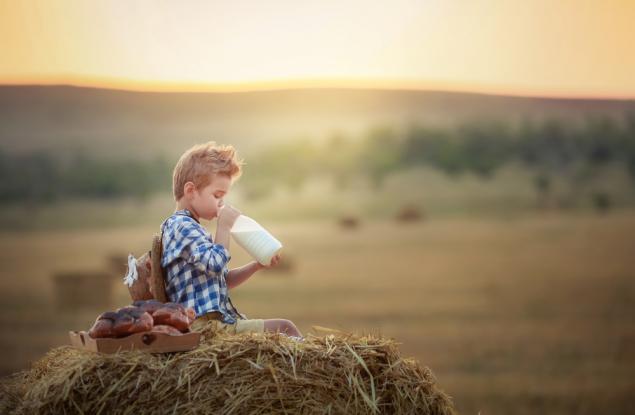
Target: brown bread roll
(174, 315)
(132, 320)
(104, 326)
(148, 305)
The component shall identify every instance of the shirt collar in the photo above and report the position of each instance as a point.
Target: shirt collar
(185, 212)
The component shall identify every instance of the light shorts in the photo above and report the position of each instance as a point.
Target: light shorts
(240, 326)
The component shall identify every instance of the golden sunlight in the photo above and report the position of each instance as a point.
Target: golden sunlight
(517, 47)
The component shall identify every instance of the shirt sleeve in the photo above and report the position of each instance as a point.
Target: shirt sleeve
(202, 251)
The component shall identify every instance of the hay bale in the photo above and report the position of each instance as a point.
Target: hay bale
(602, 202)
(247, 373)
(409, 213)
(118, 263)
(83, 289)
(349, 222)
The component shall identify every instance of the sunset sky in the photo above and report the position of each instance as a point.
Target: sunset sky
(526, 47)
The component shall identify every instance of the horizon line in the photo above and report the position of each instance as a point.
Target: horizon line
(133, 85)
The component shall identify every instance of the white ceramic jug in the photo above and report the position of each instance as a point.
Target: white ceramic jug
(255, 239)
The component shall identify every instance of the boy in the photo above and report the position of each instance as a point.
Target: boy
(196, 265)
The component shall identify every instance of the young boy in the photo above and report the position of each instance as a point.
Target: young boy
(196, 265)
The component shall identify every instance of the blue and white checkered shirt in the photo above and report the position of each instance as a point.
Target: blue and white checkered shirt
(196, 267)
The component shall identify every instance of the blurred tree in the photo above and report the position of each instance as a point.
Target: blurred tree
(550, 148)
(485, 146)
(628, 142)
(380, 154)
(289, 164)
(600, 139)
(542, 184)
(257, 189)
(35, 177)
(434, 147)
(340, 158)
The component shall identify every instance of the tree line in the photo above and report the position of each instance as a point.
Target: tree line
(547, 147)
(44, 177)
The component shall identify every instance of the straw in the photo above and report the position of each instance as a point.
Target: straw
(336, 373)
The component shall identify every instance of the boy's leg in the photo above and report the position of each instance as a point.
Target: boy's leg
(247, 326)
(253, 325)
(199, 325)
(283, 326)
(206, 320)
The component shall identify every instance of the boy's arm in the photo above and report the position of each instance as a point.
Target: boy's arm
(201, 251)
(222, 235)
(237, 276)
(226, 218)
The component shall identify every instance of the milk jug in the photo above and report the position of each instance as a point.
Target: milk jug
(255, 239)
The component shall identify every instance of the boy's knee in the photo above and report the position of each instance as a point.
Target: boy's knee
(283, 326)
(286, 324)
(291, 329)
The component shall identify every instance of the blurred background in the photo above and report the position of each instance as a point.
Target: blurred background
(459, 176)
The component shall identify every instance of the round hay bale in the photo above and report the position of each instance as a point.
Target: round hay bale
(602, 202)
(349, 222)
(409, 213)
(246, 373)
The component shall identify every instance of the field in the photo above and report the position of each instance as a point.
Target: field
(531, 314)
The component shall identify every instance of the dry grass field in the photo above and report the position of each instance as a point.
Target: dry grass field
(530, 315)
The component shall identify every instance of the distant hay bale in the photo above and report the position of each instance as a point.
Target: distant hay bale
(118, 263)
(410, 213)
(602, 202)
(349, 222)
(83, 289)
(247, 373)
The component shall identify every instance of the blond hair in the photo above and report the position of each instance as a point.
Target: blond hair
(199, 163)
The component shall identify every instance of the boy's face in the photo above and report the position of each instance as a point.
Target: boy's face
(208, 200)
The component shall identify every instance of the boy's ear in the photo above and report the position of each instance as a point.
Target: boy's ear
(188, 189)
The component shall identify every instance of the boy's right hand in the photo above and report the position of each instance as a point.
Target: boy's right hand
(227, 216)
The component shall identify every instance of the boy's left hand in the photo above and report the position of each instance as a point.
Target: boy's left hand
(275, 260)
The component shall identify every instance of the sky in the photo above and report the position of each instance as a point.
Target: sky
(521, 47)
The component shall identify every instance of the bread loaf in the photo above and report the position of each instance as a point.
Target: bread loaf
(143, 315)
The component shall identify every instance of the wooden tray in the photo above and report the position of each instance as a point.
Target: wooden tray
(144, 341)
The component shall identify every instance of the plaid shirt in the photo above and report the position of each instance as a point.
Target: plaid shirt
(196, 267)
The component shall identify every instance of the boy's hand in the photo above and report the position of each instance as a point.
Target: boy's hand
(275, 260)
(227, 216)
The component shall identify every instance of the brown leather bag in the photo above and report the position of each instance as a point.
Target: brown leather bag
(150, 282)
(157, 273)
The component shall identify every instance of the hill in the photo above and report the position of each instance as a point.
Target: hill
(116, 122)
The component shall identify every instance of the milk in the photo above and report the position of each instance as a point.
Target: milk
(255, 239)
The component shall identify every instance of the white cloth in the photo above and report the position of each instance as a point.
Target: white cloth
(132, 275)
